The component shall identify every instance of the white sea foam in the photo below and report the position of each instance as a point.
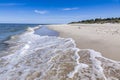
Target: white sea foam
(35, 57)
(78, 66)
(97, 68)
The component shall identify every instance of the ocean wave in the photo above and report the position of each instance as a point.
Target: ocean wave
(35, 57)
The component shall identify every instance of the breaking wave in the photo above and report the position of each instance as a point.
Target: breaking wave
(35, 57)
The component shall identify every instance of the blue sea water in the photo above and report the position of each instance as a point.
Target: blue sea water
(7, 30)
(43, 31)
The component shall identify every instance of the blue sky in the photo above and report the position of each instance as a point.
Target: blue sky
(56, 11)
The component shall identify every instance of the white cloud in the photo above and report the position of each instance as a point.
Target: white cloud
(69, 9)
(11, 4)
(41, 11)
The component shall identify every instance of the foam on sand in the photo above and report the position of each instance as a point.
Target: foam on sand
(35, 57)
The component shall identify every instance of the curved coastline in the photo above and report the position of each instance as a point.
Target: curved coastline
(54, 58)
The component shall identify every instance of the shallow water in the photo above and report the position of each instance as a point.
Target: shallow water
(44, 31)
(9, 31)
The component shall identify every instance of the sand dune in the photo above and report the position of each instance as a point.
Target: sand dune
(104, 38)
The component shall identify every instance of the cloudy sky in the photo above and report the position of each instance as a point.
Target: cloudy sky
(56, 11)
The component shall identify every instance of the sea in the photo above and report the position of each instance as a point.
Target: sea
(7, 31)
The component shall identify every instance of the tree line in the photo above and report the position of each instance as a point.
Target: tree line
(99, 20)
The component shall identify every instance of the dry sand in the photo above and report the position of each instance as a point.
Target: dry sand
(104, 38)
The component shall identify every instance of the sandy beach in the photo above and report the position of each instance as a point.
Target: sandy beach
(104, 38)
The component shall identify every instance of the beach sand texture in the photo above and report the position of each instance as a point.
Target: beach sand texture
(104, 38)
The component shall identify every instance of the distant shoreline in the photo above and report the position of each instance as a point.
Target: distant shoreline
(99, 21)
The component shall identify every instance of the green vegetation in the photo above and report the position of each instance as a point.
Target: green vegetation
(99, 20)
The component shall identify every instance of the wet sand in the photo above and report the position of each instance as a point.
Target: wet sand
(104, 38)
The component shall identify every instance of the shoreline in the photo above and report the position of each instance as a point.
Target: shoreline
(103, 38)
(38, 30)
(51, 58)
